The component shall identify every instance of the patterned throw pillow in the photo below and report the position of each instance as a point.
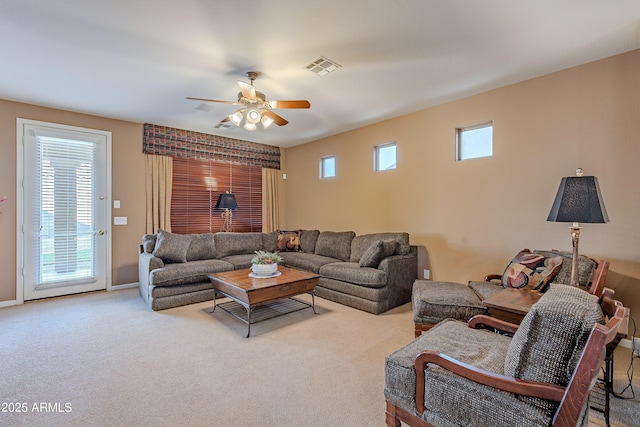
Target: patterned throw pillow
(531, 271)
(289, 241)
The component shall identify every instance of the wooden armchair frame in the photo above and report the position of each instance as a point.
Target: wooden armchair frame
(571, 398)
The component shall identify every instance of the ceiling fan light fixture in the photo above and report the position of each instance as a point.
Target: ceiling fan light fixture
(266, 121)
(250, 126)
(253, 116)
(236, 118)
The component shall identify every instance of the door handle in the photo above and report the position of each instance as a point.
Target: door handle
(101, 233)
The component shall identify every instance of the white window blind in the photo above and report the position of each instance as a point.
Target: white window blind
(63, 208)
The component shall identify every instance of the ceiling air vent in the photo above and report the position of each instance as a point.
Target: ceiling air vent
(224, 126)
(205, 107)
(322, 66)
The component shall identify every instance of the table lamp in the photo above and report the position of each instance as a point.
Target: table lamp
(578, 200)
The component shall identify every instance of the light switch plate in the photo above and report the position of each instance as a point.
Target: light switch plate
(119, 220)
(116, 204)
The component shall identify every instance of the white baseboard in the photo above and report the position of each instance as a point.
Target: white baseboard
(8, 303)
(124, 286)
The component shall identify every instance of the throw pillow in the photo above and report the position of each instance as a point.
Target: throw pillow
(531, 271)
(373, 255)
(171, 247)
(379, 250)
(149, 242)
(289, 241)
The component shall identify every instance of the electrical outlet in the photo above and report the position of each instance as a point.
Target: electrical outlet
(427, 274)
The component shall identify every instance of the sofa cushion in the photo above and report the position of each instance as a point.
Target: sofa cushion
(171, 247)
(305, 261)
(308, 239)
(529, 270)
(547, 345)
(202, 247)
(335, 244)
(270, 241)
(289, 241)
(379, 250)
(184, 273)
(352, 272)
(361, 243)
(239, 261)
(229, 243)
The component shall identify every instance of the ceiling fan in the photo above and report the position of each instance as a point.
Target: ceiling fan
(255, 107)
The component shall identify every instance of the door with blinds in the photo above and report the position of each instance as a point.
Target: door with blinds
(65, 209)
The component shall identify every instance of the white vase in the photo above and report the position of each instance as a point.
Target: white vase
(264, 269)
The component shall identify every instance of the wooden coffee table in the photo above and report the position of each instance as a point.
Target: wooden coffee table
(269, 295)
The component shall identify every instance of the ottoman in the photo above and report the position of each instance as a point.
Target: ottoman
(435, 301)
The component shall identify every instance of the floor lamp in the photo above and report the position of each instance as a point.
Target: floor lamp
(578, 200)
(227, 201)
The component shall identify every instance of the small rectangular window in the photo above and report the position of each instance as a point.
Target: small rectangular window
(384, 157)
(327, 167)
(475, 141)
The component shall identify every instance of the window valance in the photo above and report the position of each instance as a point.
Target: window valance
(184, 144)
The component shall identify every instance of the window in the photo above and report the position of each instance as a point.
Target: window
(475, 141)
(327, 167)
(384, 157)
(196, 186)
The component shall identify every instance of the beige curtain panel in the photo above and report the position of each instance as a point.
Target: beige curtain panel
(158, 181)
(270, 212)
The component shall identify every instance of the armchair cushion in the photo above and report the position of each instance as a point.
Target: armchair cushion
(530, 270)
(550, 339)
(450, 399)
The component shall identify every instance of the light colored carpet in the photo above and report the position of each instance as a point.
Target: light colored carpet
(106, 359)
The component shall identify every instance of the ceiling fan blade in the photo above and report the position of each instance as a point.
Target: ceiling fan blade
(300, 103)
(248, 91)
(280, 121)
(213, 100)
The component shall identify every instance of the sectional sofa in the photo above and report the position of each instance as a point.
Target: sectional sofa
(372, 272)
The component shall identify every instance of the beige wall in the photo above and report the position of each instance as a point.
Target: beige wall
(470, 217)
(473, 216)
(127, 186)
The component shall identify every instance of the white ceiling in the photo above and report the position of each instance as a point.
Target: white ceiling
(138, 60)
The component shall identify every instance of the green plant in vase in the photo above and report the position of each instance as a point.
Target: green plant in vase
(265, 263)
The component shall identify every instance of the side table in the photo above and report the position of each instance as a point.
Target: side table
(511, 305)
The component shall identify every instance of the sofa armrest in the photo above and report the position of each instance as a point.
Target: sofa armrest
(402, 271)
(146, 264)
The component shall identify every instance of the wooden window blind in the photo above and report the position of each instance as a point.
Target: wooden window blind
(196, 187)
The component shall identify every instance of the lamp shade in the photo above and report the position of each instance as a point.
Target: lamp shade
(227, 201)
(578, 200)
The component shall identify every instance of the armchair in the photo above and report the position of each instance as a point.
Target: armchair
(435, 301)
(457, 374)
